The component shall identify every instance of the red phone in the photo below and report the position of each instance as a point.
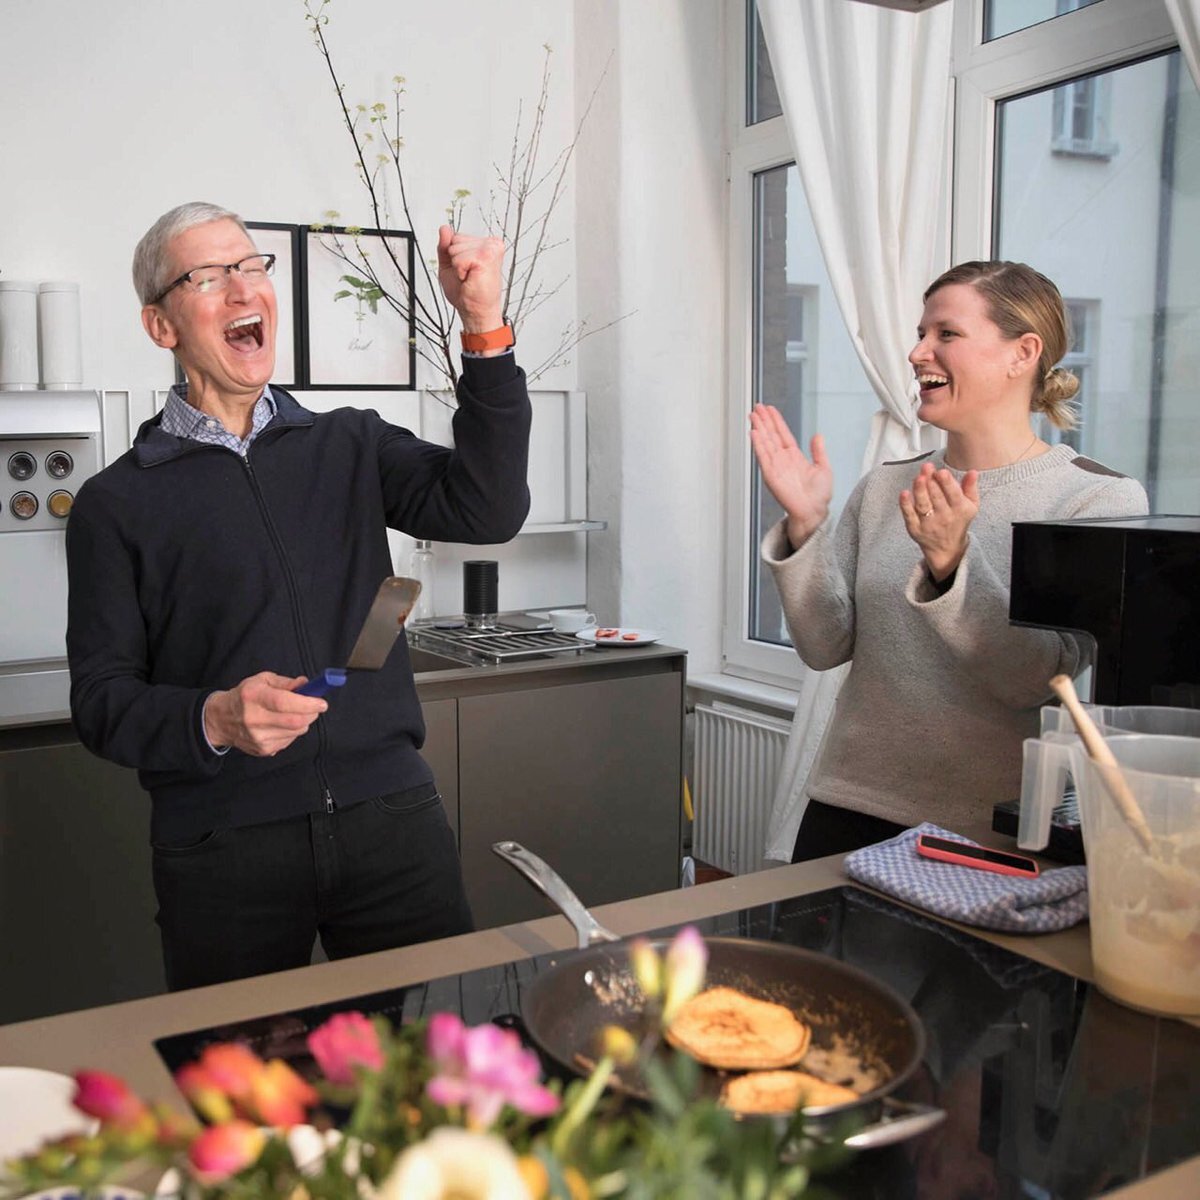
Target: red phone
(967, 855)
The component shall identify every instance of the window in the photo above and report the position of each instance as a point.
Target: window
(794, 353)
(1002, 17)
(1080, 360)
(1081, 118)
(1112, 233)
(762, 99)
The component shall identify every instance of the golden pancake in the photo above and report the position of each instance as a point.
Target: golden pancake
(781, 1092)
(725, 1028)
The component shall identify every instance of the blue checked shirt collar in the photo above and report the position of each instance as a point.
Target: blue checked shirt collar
(180, 419)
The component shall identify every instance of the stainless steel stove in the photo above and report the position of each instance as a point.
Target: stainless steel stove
(494, 643)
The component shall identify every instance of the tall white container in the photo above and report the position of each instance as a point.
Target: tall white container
(18, 336)
(58, 336)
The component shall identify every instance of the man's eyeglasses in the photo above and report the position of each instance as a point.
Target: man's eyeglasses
(254, 268)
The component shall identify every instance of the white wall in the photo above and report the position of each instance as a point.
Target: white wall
(651, 235)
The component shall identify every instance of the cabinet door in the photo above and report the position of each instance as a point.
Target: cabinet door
(76, 898)
(441, 752)
(587, 776)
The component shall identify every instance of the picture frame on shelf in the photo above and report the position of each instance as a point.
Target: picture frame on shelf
(353, 340)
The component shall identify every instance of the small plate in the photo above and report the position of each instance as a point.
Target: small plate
(35, 1106)
(624, 635)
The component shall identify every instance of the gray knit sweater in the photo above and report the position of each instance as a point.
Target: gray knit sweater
(941, 689)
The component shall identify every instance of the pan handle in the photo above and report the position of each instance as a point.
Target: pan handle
(546, 879)
(900, 1120)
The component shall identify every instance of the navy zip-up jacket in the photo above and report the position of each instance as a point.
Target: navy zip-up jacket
(191, 569)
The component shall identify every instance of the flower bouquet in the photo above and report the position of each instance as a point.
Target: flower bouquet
(433, 1110)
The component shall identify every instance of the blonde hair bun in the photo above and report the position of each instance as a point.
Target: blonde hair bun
(1056, 398)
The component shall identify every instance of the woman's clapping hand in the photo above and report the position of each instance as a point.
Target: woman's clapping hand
(802, 486)
(937, 514)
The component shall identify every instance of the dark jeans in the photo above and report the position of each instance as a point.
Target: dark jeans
(826, 829)
(376, 875)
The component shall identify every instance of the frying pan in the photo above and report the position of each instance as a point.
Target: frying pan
(860, 1028)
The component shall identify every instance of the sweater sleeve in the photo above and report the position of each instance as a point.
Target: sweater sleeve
(816, 586)
(1015, 663)
(117, 712)
(477, 492)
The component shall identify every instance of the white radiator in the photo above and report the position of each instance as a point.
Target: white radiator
(735, 767)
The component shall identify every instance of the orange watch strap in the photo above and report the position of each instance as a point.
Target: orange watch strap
(494, 339)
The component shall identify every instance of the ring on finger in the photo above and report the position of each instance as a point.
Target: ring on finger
(925, 513)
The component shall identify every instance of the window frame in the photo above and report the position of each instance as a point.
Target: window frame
(1086, 40)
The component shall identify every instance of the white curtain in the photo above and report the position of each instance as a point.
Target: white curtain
(1185, 16)
(866, 95)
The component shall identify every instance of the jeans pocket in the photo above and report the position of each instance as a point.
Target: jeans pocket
(194, 845)
(411, 800)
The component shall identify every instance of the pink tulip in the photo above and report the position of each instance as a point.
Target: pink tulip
(202, 1090)
(223, 1150)
(346, 1041)
(482, 1069)
(684, 968)
(279, 1096)
(105, 1096)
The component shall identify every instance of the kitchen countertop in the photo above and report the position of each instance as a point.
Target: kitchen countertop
(119, 1037)
(38, 693)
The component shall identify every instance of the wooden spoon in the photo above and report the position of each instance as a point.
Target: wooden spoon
(1099, 752)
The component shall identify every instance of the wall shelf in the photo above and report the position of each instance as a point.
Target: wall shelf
(561, 527)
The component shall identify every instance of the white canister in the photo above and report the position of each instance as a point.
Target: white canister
(58, 336)
(18, 336)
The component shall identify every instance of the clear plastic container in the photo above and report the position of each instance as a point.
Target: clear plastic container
(421, 568)
(1144, 905)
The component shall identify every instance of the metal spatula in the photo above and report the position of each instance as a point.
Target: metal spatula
(389, 610)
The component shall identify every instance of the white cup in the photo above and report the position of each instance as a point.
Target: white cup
(571, 620)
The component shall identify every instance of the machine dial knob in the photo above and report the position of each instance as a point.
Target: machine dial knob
(23, 506)
(59, 503)
(21, 465)
(59, 464)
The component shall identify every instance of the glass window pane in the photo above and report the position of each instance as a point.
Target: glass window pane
(803, 363)
(1002, 17)
(762, 100)
(1109, 208)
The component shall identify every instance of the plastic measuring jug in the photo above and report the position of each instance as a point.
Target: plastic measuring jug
(1044, 771)
(1144, 905)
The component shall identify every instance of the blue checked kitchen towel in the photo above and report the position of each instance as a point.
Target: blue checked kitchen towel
(1057, 899)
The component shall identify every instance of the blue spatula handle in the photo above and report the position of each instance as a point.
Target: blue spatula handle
(323, 684)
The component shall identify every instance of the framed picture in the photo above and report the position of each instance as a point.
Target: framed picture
(354, 339)
(283, 241)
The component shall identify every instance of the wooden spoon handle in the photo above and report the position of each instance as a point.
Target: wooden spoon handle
(1100, 753)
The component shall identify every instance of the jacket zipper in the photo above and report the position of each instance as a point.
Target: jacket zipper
(297, 617)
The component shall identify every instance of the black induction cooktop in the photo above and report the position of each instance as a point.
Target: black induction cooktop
(1053, 1092)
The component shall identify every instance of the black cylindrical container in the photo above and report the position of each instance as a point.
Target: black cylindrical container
(481, 577)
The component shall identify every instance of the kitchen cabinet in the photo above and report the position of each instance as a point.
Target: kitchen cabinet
(585, 774)
(76, 901)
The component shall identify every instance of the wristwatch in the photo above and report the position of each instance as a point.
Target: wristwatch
(494, 339)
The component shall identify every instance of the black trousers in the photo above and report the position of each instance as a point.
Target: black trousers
(248, 901)
(826, 829)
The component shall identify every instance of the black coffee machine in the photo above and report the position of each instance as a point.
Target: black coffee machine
(1133, 584)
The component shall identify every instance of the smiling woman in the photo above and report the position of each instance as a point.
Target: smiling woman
(912, 587)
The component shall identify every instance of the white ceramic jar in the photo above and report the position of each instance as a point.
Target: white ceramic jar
(58, 336)
(18, 336)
